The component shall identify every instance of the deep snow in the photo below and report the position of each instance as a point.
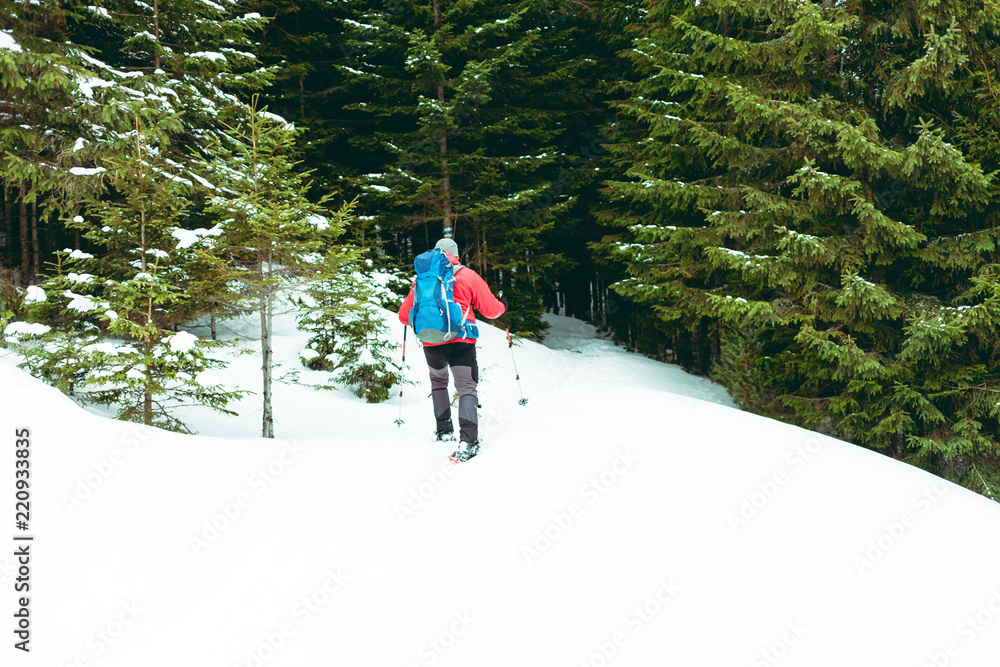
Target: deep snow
(626, 516)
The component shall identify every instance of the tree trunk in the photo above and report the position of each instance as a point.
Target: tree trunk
(8, 229)
(265, 347)
(68, 358)
(156, 32)
(448, 226)
(147, 404)
(25, 254)
(485, 254)
(302, 98)
(36, 255)
(147, 395)
(211, 324)
(481, 243)
(266, 309)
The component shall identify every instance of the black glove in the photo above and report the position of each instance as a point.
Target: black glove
(504, 302)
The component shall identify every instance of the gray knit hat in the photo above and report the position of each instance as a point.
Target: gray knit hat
(448, 245)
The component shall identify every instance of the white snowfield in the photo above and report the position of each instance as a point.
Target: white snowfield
(623, 517)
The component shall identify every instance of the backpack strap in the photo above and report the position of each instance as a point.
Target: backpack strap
(464, 324)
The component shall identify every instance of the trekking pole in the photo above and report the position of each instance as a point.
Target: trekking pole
(510, 344)
(399, 420)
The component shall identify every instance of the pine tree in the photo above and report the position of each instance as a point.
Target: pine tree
(799, 191)
(273, 235)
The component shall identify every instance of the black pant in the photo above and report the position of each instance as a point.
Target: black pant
(461, 357)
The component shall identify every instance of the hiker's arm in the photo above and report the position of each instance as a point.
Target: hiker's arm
(404, 310)
(483, 299)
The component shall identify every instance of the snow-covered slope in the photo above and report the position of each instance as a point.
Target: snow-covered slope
(623, 517)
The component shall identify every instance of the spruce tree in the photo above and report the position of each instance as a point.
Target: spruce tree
(366, 364)
(61, 111)
(300, 43)
(200, 54)
(591, 36)
(800, 191)
(73, 75)
(53, 340)
(113, 338)
(341, 312)
(464, 103)
(273, 236)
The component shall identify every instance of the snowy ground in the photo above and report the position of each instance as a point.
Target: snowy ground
(626, 516)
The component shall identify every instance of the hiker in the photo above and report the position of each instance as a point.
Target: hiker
(455, 348)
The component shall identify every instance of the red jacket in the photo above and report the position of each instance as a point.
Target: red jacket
(470, 290)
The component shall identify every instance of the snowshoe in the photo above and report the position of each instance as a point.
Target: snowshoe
(465, 452)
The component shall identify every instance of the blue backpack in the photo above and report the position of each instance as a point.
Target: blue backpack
(435, 317)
